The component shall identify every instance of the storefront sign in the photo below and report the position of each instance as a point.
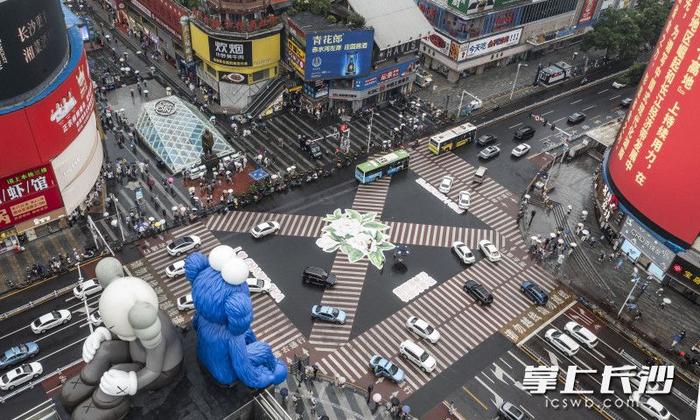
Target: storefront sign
(471, 6)
(587, 10)
(685, 271)
(400, 50)
(338, 54)
(383, 75)
(638, 236)
(439, 43)
(296, 56)
(28, 194)
(493, 43)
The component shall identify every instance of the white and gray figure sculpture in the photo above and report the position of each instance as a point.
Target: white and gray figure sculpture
(137, 349)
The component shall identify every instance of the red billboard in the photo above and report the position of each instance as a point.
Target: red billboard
(653, 165)
(587, 11)
(39, 132)
(28, 194)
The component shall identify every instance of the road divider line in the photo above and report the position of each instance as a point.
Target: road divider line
(37, 407)
(512, 127)
(577, 101)
(588, 107)
(603, 91)
(62, 348)
(546, 113)
(551, 318)
(474, 397)
(614, 97)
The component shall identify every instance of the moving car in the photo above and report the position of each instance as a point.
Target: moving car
(463, 252)
(87, 288)
(489, 152)
(618, 85)
(636, 382)
(317, 276)
(478, 292)
(417, 355)
(328, 314)
(485, 139)
(520, 150)
(650, 406)
(175, 269)
(475, 104)
(534, 293)
(422, 329)
(576, 117)
(50, 320)
(264, 229)
(446, 184)
(259, 285)
(581, 334)
(185, 303)
(489, 250)
(18, 354)
(509, 411)
(181, 245)
(383, 368)
(625, 103)
(562, 341)
(20, 375)
(464, 200)
(95, 318)
(525, 132)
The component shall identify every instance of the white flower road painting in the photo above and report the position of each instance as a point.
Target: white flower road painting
(357, 235)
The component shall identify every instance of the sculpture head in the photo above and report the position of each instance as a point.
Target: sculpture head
(129, 310)
(108, 269)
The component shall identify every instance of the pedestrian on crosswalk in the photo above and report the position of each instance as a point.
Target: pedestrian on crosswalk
(370, 388)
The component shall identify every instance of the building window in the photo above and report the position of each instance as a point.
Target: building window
(261, 75)
(546, 9)
(209, 69)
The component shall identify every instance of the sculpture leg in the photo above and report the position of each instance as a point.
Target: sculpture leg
(102, 406)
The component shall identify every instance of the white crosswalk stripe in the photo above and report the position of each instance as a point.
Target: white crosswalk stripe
(441, 236)
(290, 224)
(372, 197)
(270, 324)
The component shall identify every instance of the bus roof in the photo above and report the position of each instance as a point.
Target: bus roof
(383, 160)
(453, 132)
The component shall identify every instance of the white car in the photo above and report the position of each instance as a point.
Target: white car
(562, 341)
(446, 184)
(520, 150)
(20, 375)
(87, 288)
(185, 303)
(490, 250)
(618, 85)
(181, 245)
(264, 229)
(175, 269)
(417, 355)
(50, 320)
(475, 104)
(637, 381)
(582, 334)
(259, 285)
(95, 318)
(650, 406)
(422, 329)
(463, 252)
(464, 200)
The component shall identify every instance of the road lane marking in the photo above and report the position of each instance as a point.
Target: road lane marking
(551, 318)
(62, 348)
(603, 91)
(577, 101)
(471, 394)
(614, 97)
(546, 113)
(14, 332)
(39, 406)
(560, 119)
(588, 107)
(510, 128)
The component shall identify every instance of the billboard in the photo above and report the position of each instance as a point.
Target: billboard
(28, 194)
(438, 42)
(656, 251)
(587, 11)
(230, 52)
(652, 166)
(33, 44)
(235, 51)
(296, 56)
(493, 43)
(384, 75)
(685, 271)
(338, 54)
(471, 6)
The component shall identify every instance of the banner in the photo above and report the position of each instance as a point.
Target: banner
(471, 6)
(28, 194)
(588, 10)
(338, 54)
(493, 43)
(383, 75)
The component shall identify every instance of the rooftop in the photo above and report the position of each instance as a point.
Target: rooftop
(309, 22)
(383, 16)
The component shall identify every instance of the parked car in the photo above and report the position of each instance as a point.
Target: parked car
(382, 367)
(509, 411)
(87, 288)
(478, 292)
(489, 250)
(581, 334)
(175, 269)
(20, 375)
(523, 133)
(259, 285)
(328, 314)
(625, 103)
(318, 277)
(534, 293)
(563, 342)
(464, 200)
(576, 117)
(489, 152)
(618, 85)
(50, 320)
(475, 104)
(520, 150)
(18, 354)
(417, 355)
(463, 252)
(446, 184)
(486, 139)
(422, 329)
(185, 303)
(650, 406)
(181, 245)
(264, 229)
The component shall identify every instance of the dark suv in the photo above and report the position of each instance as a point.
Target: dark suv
(318, 277)
(524, 133)
(478, 292)
(485, 139)
(534, 293)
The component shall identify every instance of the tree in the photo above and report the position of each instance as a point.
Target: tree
(651, 17)
(317, 7)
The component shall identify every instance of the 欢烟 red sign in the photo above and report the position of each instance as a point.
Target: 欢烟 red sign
(28, 194)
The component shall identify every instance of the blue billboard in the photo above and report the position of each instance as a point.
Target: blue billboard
(384, 75)
(338, 54)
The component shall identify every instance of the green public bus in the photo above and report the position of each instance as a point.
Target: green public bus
(388, 164)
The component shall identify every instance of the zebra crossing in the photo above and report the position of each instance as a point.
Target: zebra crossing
(463, 324)
(372, 197)
(270, 324)
(441, 236)
(290, 224)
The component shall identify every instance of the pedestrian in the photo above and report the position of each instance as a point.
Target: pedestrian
(619, 263)
(569, 209)
(532, 217)
(313, 406)
(452, 409)
(370, 388)
(601, 258)
(131, 91)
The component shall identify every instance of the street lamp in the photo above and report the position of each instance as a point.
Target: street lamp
(516, 79)
(369, 132)
(635, 280)
(461, 100)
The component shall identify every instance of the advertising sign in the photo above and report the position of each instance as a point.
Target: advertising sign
(504, 20)
(493, 43)
(386, 74)
(439, 42)
(471, 6)
(587, 11)
(296, 56)
(33, 44)
(230, 52)
(652, 166)
(235, 78)
(685, 271)
(338, 54)
(28, 194)
(646, 243)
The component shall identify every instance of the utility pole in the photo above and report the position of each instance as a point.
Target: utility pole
(119, 217)
(512, 90)
(369, 132)
(635, 280)
(87, 308)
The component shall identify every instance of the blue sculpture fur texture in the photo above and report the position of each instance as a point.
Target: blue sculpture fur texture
(226, 344)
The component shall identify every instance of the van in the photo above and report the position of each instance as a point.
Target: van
(480, 174)
(418, 356)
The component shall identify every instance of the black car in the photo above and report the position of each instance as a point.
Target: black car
(524, 133)
(625, 103)
(478, 292)
(576, 118)
(318, 277)
(485, 139)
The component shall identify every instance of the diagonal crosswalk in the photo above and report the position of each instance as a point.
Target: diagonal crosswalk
(441, 236)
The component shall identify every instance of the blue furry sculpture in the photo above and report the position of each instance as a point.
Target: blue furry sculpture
(226, 344)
